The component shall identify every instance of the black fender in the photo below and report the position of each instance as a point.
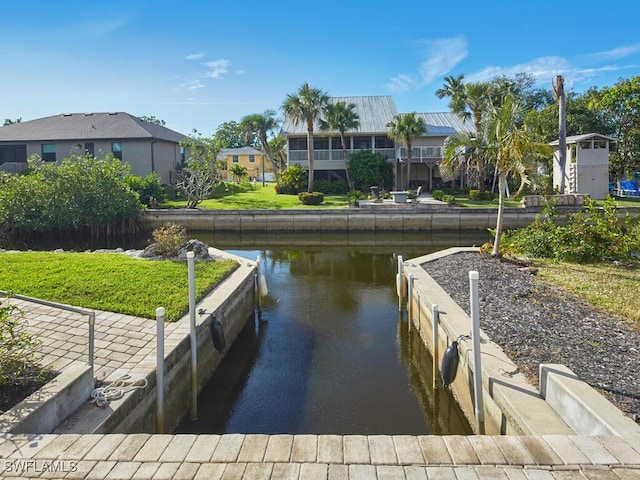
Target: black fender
(449, 366)
(217, 334)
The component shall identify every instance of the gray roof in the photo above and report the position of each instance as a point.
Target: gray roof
(582, 138)
(443, 124)
(87, 126)
(374, 112)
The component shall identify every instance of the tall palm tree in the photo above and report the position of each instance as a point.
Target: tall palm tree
(476, 100)
(462, 151)
(454, 89)
(404, 128)
(514, 150)
(341, 117)
(261, 125)
(307, 104)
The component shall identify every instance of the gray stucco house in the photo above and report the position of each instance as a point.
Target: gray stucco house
(146, 146)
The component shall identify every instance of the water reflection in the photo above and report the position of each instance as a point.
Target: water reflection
(329, 353)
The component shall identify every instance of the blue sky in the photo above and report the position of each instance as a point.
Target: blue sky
(199, 63)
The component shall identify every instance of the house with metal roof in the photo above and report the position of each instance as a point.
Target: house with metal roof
(146, 146)
(375, 112)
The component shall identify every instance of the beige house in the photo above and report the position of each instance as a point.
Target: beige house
(252, 159)
(147, 147)
(587, 167)
(375, 112)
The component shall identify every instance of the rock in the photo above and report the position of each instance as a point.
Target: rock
(201, 250)
(150, 251)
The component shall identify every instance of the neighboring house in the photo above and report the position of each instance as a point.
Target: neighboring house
(375, 112)
(147, 147)
(587, 167)
(250, 158)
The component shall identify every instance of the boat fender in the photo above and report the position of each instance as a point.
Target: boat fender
(449, 366)
(217, 333)
(263, 286)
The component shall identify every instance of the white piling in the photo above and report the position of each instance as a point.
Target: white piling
(258, 273)
(475, 339)
(399, 282)
(193, 334)
(435, 320)
(160, 370)
(409, 297)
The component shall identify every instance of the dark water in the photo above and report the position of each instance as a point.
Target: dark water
(330, 352)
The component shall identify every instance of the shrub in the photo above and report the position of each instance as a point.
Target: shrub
(149, 189)
(449, 199)
(18, 361)
(169, 239)
(311, 198)
(437, 194)
(367, 169)
(354, 197)
(331, 188)
(292, 181)
(478, 195)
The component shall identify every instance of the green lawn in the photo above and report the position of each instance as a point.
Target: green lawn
(234, 196)
(110, 281)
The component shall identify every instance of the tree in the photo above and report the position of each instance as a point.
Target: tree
(370, 169)
(514, 150)
(8, 121)
(341, 117)
(307, 105)
(404, 128)
(197, 180)
(621, 105)
(152, 119)
(558, 91)
(238, 172)
(278, 147)
(454, 89)
(260, 126)
(462, 151)
(230, 135)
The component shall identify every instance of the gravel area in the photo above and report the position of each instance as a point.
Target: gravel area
(538, 323)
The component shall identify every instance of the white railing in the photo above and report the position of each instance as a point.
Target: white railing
(418, 153)
(335, 155)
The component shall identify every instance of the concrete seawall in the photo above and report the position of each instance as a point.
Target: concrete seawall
(383, 218)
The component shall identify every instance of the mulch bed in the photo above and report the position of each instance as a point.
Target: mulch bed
(537, 323)
(15, 391)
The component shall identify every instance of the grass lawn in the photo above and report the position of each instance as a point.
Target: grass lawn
(603, 285)
(110, 281)
(246, 196)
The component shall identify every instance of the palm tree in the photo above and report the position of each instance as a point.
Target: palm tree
(404, 128)
(261, 125)
(307, 104)
(454, 89)
(514, 150)
(463, 150)
(278, 147)
(341, 117)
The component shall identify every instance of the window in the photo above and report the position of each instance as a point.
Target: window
(321, 143)
(298, 143)
(362, 143)
(89, 149)
(382, 141)
(336, 143)
(252, 159)
(13, 153)
(48, 152)
(182, 155)
(234, 159)
(116, 149)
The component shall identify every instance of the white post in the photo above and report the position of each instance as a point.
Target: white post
(160, 370)
(435, 320)
(193, 334)
(259, 293)
(475, 338)
(399, 282)
(409, 297)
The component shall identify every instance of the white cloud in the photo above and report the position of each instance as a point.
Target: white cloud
(240, 72)
(442, 55)
(191, 86)
(401, 83)
(194, 56)
(217, 68)
(542, 69)
(102, 28)
(615, 53)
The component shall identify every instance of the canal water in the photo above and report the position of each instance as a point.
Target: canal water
(330, 352)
